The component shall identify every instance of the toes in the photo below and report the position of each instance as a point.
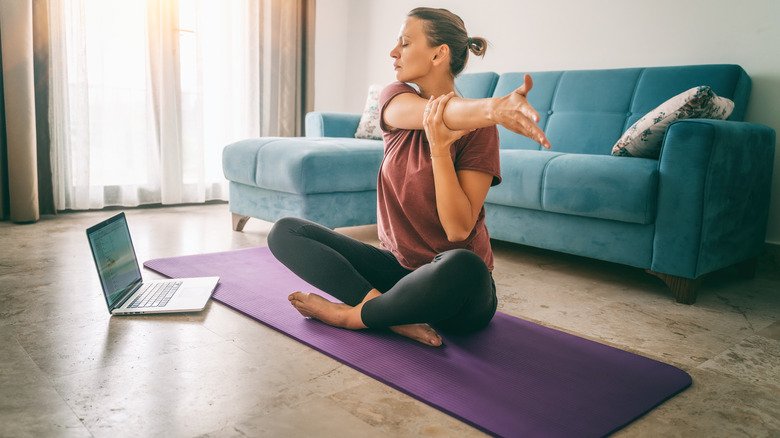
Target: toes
(297, 295)
(434, 338)
(301, 308)
(295, 300)
(422, 333)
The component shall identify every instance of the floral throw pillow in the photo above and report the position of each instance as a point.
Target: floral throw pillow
(643, 138)
(369, 121)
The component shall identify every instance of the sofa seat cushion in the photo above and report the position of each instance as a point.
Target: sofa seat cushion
(594, 186)
(603, 187)
(304, 165)
(522, 170)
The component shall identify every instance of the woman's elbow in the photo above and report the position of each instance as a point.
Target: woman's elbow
(458, 236)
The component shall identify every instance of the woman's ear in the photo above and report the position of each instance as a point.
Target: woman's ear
(441, 54)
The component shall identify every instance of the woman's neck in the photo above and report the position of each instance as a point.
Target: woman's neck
(435, 87)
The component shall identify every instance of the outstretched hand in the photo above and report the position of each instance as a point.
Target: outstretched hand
(517, 115)
(440, 137)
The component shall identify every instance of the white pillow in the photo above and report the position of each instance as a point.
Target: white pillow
(643, 138)
(369, 121)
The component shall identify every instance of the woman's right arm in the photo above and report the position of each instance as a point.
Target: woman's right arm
(405, 111)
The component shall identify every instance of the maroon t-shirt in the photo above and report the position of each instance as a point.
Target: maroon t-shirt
(407, 217)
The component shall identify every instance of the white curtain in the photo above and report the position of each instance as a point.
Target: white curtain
(145, 94)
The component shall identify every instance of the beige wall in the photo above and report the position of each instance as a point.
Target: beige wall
(354, 38)
(330, 55)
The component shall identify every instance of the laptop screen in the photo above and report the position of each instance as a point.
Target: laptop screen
(114, 257)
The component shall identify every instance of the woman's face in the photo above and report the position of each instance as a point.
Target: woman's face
(412, 56)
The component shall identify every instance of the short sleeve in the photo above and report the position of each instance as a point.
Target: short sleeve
(479, 151)
(387, 94)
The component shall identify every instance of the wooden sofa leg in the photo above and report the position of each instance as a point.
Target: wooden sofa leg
(685, 289)
(747, 268)
(239, 221)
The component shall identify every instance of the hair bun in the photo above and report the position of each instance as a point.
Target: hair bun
(477, 45)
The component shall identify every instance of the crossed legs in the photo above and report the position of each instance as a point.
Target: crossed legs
(453, 292)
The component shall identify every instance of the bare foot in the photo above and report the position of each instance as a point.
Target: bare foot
(419, 332)
(312, 305)
(336, 314)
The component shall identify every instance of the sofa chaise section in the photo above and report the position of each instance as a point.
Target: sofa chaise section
(326, 180)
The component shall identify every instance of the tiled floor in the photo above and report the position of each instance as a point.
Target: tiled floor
(66, 368)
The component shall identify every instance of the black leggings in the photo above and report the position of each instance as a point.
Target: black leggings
(454, 292)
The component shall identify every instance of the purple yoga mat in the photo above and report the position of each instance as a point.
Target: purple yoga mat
(514, 378)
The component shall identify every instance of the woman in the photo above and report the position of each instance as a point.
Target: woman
(441, 158)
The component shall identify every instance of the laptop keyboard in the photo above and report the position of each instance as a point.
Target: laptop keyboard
(155, 294)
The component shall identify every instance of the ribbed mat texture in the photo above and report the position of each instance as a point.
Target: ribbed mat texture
(514, 378)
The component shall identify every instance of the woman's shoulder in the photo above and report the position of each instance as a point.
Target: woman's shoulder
(395, 88)
(400, 86)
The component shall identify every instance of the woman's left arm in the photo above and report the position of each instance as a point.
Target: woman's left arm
(459, 195)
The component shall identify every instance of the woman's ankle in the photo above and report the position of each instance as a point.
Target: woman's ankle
(353, 319)
(373, 293)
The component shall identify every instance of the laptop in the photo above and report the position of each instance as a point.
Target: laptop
(125, 291)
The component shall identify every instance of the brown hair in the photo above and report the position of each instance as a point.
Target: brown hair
(443, 27)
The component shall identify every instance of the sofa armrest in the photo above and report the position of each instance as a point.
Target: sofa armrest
(320, 124)
(713, 195)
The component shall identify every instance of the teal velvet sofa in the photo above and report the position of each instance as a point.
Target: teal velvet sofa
(700, 207)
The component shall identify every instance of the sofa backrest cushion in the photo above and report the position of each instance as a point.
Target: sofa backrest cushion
(476, 85)
(586, 111)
